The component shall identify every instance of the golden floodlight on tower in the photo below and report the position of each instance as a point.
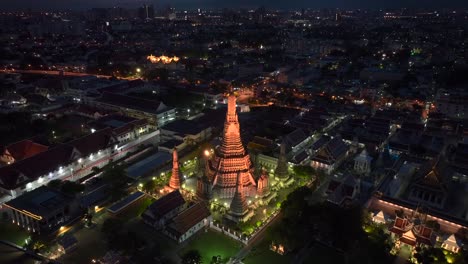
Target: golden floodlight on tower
(162, 59)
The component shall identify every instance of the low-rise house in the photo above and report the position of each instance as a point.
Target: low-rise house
(163, 209)
(189, 131)
(43, 210)
(452, 243)
(125, 128)
(20, 150)
(330, 156)
(156, 112)
(343, 192)
(297, 140)
(68, 161)
(189, 222)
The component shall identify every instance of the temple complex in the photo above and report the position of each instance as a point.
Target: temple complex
(229, 160)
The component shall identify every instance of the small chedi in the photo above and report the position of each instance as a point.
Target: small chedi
(239, 210)
(176, 178)
(282, 166)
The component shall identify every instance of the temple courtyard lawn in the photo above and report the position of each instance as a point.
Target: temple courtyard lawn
(210, 243)
(13, 233)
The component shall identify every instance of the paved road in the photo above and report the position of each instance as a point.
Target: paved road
(70, 74)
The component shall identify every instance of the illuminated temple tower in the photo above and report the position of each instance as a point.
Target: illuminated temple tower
(239, 210)
(230, 159)
(176, 179)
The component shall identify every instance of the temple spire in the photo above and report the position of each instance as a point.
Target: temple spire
(282, 165)
(239, 205)
(230, 159)
(175, 180)
(232, 143)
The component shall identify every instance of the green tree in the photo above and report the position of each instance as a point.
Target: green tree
(116, 176)
(156, 74)
(216, 260)
(431, 255)
(39, 246)
(304, 173)
(192, 257)
(149, 186)
(110, 225)
(55, 184)
(70, 187)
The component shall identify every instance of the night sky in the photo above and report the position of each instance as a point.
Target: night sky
(60, 4)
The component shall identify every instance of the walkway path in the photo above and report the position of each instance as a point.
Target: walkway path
(257, 238)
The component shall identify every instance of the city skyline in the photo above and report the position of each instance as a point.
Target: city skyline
(266, 132)
(190, 4)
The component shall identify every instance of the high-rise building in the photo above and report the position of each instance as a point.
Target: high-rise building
(146, 12)
(230, 159)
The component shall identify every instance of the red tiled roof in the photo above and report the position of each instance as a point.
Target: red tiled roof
(94, 142)
(25, 149)
(166, 204)
(189, 218)
(408, 241)
(50, 160)
(35, 166)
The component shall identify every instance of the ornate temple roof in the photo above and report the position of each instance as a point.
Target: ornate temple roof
(433, 175)
(332, 151)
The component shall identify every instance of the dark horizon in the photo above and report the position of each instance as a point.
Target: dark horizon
(190, 4)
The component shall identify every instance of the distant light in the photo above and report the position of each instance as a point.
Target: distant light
(93, 130)
(138, 70)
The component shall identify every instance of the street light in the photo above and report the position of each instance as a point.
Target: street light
(138, 70)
